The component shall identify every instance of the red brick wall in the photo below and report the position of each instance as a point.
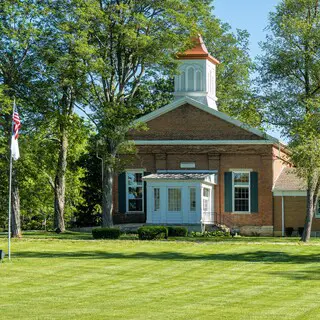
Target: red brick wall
(295, 213)
(221, 158)
(190, 123)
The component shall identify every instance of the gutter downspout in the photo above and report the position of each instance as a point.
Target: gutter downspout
(282, 216)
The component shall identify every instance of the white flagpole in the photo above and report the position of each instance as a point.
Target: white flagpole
(10, 186)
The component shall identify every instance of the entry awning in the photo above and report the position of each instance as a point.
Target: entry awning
(182, 176)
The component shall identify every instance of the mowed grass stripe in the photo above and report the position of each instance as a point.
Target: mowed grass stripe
(65, 279)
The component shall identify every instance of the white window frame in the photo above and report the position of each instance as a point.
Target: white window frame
(233, 191)
(134, 171)
(181, 203)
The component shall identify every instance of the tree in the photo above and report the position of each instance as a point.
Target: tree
(18, 34)
(59, 81)
(290, 80)
(129, 42)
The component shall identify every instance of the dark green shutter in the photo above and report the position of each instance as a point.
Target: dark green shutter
(145, 192)
(254, 191)
(228, 191)
(122, 193)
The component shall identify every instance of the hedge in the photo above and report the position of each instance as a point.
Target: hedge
(106, 233)
(177, 231)
(152, 232)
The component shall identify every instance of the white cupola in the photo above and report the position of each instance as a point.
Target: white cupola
(197, 76)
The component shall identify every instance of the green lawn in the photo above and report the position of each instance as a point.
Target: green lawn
(85, 279)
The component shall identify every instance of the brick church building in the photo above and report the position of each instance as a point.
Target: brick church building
(198, 166)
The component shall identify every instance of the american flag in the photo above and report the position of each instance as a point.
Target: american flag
(15, 134)
(16, 124)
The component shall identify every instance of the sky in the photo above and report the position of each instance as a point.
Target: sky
(251, 15)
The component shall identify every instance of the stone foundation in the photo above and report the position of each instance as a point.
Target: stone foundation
(266, 231)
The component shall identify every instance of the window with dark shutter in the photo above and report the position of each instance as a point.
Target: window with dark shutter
(228, 191)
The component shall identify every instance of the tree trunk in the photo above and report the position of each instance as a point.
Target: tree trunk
(15, 197)
(310, 212)
(107, 205)
(15, 207)
(60, 182)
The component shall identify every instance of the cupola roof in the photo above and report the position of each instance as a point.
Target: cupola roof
(199, 51)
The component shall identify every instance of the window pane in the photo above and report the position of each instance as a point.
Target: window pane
(134, 178)
(135, 193)
(206, 192)
(135, 205)
(156, 197)
(174, 199)
(241, 199)
(192, 199)
(241, 205)
(241, 178)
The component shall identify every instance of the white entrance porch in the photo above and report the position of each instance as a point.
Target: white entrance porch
(180, 197)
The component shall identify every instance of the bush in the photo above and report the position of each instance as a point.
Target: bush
(177, 232)
(211, 234)
(152, 232)
(300, 231)
(289, 231)
(106, 233)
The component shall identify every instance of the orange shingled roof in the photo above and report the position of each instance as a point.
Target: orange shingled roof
(199, 51)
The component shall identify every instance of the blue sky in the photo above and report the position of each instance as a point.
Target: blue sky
(251, 15)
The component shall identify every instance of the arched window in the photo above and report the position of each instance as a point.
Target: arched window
(198, 81)
(191, 79)
(183, 81)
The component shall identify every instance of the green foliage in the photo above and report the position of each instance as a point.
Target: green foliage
(212, 234)
(174, 231)
(153, 233)
(289, 68)
(106, 233)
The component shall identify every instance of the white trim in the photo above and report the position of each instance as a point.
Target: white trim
(241, 170)
(293, 193)
(199, 142)
(203, 107)
(249, 191)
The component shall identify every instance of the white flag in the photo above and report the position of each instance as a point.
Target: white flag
(15, 148)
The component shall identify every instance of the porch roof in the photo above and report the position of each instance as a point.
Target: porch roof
(209, 176)
(288, 180)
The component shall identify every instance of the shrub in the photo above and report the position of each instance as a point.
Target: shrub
(212, 234)
(289, 231)
(106, 233)
(152, 232)
(300, 231)
(177, 232)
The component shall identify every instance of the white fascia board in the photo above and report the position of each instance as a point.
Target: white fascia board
(200, 142)
(288, 193)
(175, 104)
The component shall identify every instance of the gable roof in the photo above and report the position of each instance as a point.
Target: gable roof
(187, 100)
(289, 181)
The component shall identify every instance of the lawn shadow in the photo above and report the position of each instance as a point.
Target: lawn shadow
(313, 274)
(267, 257)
